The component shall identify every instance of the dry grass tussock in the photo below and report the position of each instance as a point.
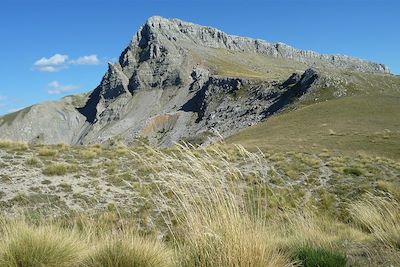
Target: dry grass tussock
(381, 217)
(24, 245)
(129, 250)
(50, 245)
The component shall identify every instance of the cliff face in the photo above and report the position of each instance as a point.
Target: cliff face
(177, 80)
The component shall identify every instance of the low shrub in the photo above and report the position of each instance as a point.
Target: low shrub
(47, 152)
(87, 154)
(32, 161)
(317, 257)
(59, 169)
(55, 169)
(352, 171)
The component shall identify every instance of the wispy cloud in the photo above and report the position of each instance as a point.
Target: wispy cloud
(52, 64)
(55, 88)
(60, 61)
(86, 60)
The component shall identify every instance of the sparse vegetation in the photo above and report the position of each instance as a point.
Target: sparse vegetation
(47, 152)
(58, 169)
(87, 154)
(15, 146)
(46, 182)
(352, 171)
(33, 161)
(216, 206)
(65, 187)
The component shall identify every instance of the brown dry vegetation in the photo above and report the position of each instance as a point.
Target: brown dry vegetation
(215, 206)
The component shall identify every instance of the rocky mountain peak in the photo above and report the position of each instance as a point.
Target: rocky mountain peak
(163, 56)
(178, 80)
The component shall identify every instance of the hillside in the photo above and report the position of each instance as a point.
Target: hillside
(362, 120)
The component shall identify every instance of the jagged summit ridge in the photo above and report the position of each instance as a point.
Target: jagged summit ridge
(166, 31)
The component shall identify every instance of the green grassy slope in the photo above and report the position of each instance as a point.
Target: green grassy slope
(246, 65)
(356, 124)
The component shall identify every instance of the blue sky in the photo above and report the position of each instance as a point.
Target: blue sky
(52, 48)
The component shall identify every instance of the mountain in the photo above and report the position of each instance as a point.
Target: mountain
(181, 81)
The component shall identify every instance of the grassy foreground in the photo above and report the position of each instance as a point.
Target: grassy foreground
(217, 206)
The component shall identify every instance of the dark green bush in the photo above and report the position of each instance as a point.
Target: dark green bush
(319, 257)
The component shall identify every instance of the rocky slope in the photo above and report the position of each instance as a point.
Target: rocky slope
(177, 80)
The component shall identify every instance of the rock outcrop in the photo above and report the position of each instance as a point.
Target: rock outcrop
(170, 83)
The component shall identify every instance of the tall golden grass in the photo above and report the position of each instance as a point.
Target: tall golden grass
(220, 224)
(381, 217)
(212, 219)
(215, 227)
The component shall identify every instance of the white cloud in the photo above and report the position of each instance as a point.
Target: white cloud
(55, 88)
(86, 60)
(55, 60)
(59, 61)
(52, 64)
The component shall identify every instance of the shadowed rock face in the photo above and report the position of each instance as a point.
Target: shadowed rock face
(114, 84)
(165, 86)
(294, 88)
